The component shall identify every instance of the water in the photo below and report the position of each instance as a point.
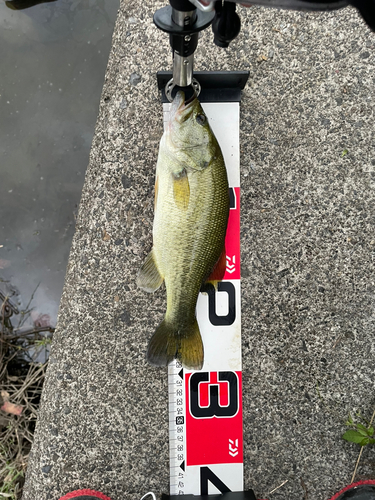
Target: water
(53, 58)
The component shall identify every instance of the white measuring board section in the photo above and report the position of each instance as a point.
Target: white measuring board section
(205, 406)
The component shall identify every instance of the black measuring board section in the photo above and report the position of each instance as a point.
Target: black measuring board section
(216, 86)
(229, 495)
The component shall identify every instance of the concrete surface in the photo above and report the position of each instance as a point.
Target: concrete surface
(308, 245)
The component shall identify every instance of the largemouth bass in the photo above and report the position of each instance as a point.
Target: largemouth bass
(190, 221)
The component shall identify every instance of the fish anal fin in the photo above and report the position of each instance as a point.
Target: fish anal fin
(149, 278)
(217, 273)
(181, 190)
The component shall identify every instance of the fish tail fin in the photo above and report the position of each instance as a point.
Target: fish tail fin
(190, 351)
(169, 342)
(162, 346)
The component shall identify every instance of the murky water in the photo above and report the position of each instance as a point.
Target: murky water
(53, 58)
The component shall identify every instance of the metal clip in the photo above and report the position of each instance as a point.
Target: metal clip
(171, 85)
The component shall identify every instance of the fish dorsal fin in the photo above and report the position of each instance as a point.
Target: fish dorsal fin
(181, 189)
(149, 278)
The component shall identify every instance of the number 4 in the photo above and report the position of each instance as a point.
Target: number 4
(208, 475)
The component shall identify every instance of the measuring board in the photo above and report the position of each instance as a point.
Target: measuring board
(205, 406)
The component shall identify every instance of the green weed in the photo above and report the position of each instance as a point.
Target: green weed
(11, 479)
(359, 433)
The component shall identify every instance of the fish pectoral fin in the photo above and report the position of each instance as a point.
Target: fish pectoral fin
(181, 189)
(149, 277)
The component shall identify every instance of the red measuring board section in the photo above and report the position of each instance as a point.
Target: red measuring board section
(213, 418)
(232, 240)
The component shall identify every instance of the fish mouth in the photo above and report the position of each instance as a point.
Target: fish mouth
(177, 103)
(181, 110)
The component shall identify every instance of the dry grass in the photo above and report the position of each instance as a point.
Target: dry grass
(21, 382)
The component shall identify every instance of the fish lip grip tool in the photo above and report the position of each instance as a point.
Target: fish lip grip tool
(183, 20)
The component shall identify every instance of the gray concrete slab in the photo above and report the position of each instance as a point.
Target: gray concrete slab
(308, 247)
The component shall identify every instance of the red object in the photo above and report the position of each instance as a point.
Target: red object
(220, 268)
(81, 493)
(351, 487)
(232, 240)
(214, 439)
(228, 265)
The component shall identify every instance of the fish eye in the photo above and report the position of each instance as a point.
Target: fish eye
(201, 119)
